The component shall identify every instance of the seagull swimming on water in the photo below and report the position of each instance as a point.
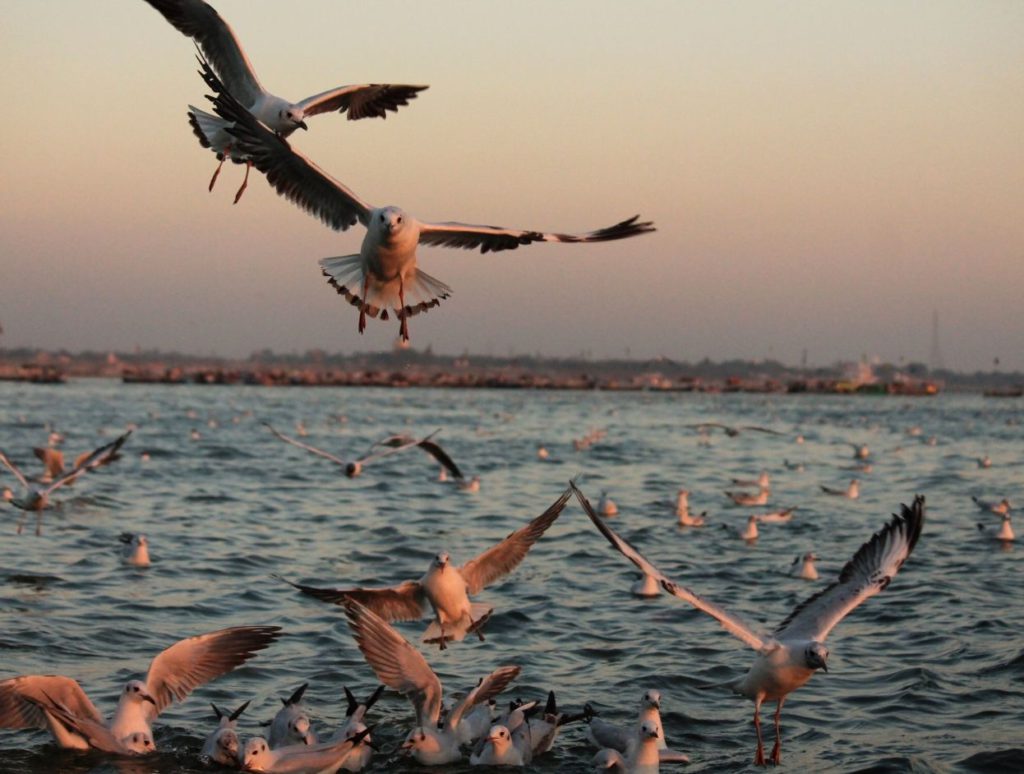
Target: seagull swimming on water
(322, 758)
(608, 735)
(788, 657)
(447, 588)
(291, 724)
(222, 745)
(134, 549)
(1000, 508)
(215, 38)
(803, 567)
(384, 272)
(59, 704)
(400, 666)
(852, 491)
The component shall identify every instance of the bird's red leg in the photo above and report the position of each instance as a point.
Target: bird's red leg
(443, 645)
(362, 306)
(216, 172)
(759, 755)
(404, 328)
(777, 749)
(245, 182)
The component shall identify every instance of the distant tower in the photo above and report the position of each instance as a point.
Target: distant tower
(935, 362)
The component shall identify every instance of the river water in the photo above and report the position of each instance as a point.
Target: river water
(926, 676)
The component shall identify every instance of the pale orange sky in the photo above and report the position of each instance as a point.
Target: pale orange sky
(822, 175)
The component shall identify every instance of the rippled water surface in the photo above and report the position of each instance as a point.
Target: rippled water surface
(927, 676)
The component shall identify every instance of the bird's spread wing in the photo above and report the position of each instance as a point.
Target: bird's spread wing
(396, 663)
(390, 445)
(20, 699)
(217, 41)
(305, 446)
(372, 100)
(434, 450)
(404, 602)
(189, 663)
(96, 733)
(506, 555)
(870, 570)
(760, 429)
(93, 460)
(13, 468)
(485, 690)
(291, 174)
(494, 238)
(731, 623)
(52, 459)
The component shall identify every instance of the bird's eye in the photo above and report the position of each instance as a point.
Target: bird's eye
(399, 218)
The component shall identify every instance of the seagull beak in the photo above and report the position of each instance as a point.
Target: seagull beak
(302, 125)
(825, 667)
(147, 697)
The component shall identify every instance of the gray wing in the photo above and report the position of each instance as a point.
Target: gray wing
(20, 698)
(485, 690)
(95, 459)
(189, 663)
(13, 468)
(404, 602)
(93, 731)
(291, 174)
(506, 555)
(306, 446)
(730, 622)
(217, 41)
(396, 663)
(434, 450)
(494, 238)
(870, 570)
(609, 735)
(371, 100)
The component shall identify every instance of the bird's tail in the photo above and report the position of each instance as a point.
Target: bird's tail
(210, 130)
(347, 274)
(457, 631)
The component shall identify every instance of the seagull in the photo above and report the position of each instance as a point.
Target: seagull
(400, 666)
(803, 567)
(385, 270)
(538, 734)
(472, 485)
(608, 735)
(431, 447)
(644, 759)
(1000, 508)
(749, 532)
(606, 506)
(355, 714)
(763, 481)
(860, 450)
(776, 517)
(323, 758)
(53, 462)
(730, 430)
(798, 467)
(59, 704)
(447, 588)
(796, 649)
(985, 462)
(851, 492)
(747, 498)
(1005, 533)
(499, 750)
(687, 519)
(217, 41)
(542, 453)
(135, 550)
(37, 498)
(646, 587)
(221, 746)
(475, 723)
(354, 467)
(290, 725)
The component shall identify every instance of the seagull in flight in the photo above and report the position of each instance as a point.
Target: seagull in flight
(430, 446)
(730, 430)
(447, 588)
(397, 664)
(788, 657)
(59, 704)
(383, 273)
(215, 38)
(353, 468)
(37, 498)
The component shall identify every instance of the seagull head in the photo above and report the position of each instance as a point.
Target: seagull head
(419, 740)
(291, 119)
(353, 469)
(441, 560)
(389, 221)
(652, 699)
(816, 656)
(648, 730)
(500, 737)
(227, 742)
(255, 754)
(139, 743)
(136, 691)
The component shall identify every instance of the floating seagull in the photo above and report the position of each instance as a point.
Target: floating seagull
(475, 723)
(604, 734)
(290, 725)
(472, 485)
(803, 567)
(1000, 508)
(384, 270)
(763, 481)
(730, 430)
(542, 453)
(352, 468)
(135, 549)
(1005, 533)
(606, 506)
(447, 588)
(860, 450)
(323, 758)
(644, 758)
(59, 704)
(37, 498)
(646, 587)
(687, 519)
(748, 532)
(355, 714)
(787, 658)
(222, 745)
(499, 750)
(985, 462)
(217, 41)
(775, 517)
(851, 492)
(540, 730)
(748, 498)
(400, 666)
(798, 467)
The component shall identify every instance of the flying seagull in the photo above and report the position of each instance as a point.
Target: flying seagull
(383, 273)
(59, 704)
(215, 38)
(796, 649)
(430, 446)
(447, 588)
(353, 468)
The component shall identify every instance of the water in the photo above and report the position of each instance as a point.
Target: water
(927, 676)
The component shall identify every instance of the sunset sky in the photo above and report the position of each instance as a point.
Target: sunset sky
(823, 176)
